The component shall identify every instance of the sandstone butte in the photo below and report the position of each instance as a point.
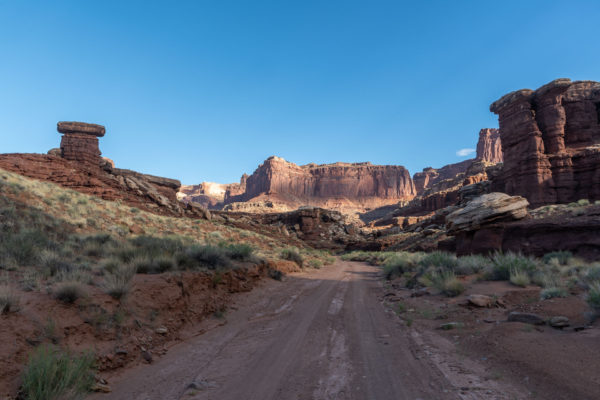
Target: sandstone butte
(341, 186)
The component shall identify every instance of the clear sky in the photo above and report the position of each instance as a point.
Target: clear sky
(206, 90)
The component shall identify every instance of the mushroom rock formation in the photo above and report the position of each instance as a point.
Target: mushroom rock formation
(80, 142)
(550, 142)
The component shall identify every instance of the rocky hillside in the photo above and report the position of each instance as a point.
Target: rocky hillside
(210, 194)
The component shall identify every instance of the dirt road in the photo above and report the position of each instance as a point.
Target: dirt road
(318, 335)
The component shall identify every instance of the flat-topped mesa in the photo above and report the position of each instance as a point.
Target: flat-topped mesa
(550, 142)
(336, 186)
(80, 142)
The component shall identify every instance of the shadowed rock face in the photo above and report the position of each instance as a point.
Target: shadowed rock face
(339, 185)
(551, 142)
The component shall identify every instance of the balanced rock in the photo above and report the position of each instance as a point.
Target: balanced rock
(80, 142)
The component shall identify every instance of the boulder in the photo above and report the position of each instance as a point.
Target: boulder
(487, 209)
(481, 300)
(559, 322)
(527, 318)
(80, 128)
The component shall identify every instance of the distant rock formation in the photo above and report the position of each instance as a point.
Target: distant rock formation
(551, 142)
(489, 150)
(340, 186)
(489, 146)
(209, 194)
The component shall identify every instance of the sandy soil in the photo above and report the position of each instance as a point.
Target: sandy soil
(318, 335)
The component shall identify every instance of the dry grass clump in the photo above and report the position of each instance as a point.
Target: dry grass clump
(9, 300)
(519, 278)
(447, 283)
(292, 254)
(53, 374)
(118, 282)
(69, 291)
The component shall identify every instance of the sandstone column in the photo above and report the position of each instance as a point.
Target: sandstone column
(550, 114)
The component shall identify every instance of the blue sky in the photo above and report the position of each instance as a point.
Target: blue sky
(206, 90)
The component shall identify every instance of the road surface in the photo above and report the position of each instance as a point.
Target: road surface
(318, 335)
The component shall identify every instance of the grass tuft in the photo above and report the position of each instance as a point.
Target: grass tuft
(52, 374)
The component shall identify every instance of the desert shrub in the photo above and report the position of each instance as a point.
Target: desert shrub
(440, 260)
(447, 283)
(294, 255)
(52, 374)
(398, 263)
(504, 263)
(9, 301)
(211, 257)
(357, 255)
(275, 274)
(563, 257)
(314, 263)
(240, 251)
(69, 291)
(24, 247)
(147, 265)
(552, 292)
(118, 283)
(519, 278)
(54, 263)
(468, 265)
(593, 296)
(592, 274)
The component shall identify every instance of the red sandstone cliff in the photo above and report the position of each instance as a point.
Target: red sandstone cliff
(338, 186)
(551, 142)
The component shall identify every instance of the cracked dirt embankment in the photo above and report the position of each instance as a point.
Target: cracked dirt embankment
(319, 335)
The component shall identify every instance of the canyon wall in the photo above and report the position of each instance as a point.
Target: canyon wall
(550, 142)
(337, 186)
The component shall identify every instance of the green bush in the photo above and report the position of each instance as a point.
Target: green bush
(563, 257)
(447, 283)
(211, 257)
(294, 255)
(397, 264)
(24, 247)
(468, 265)
(440, 260)
(593, 297)
(52, 374)
(240, 251)
(552, 292)
(315, 263)
(504, 263)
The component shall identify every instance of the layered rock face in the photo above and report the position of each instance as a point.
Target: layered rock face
(336, 186)
(551, 142)
(80, 142)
